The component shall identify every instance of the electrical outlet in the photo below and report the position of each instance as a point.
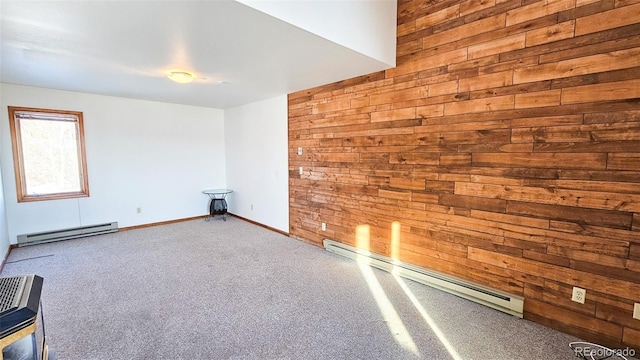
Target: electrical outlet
(139, 210)
(299, 151)
(636, 311)
(251, 206)
(578, 295)
(301, 171)
(324, 227)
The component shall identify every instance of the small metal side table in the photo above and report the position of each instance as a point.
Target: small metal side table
(218, 204)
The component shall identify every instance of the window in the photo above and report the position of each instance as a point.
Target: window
(48, 154)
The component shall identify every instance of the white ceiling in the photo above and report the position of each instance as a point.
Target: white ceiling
(125, 48)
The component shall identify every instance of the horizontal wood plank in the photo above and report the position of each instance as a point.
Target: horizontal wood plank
(631, 337)
(629, 89)
(614, 219)
(542, 160)
(551, 33)
(574, 319)
(624, 161)
(556, 273)
(609, 19)
(579, 66)
(536, 10)
(472, 202)
(617, 315)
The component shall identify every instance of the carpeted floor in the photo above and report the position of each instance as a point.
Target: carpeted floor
(233, 290)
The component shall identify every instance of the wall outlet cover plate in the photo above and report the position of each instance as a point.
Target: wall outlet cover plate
(578, 295)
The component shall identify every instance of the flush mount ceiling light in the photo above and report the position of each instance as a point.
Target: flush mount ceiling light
(182, 77)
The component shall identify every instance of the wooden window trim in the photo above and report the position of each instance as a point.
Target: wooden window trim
(18, 162)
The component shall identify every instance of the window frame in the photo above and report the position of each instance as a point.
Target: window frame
(18, 161)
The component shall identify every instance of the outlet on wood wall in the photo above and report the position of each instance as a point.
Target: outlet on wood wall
(506, 144)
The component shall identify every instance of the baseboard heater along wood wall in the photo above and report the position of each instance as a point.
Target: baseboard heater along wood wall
(66, 234)
(496, 299)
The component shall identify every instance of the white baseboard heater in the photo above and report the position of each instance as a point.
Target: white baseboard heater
(66, 234)
(499, 300)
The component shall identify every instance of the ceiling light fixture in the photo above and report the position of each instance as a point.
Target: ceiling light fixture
(182, 77)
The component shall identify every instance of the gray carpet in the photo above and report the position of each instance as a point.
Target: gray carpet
(233, 290)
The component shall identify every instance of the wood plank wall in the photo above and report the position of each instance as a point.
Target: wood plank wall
(505, 144)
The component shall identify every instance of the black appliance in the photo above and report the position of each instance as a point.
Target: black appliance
(22, 335)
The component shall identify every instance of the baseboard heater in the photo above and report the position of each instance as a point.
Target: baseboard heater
(508, 303)
(66, 234)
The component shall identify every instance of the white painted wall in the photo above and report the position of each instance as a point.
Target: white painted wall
(153, 155)
(4, 231)
(366, 26)
(257, 161)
